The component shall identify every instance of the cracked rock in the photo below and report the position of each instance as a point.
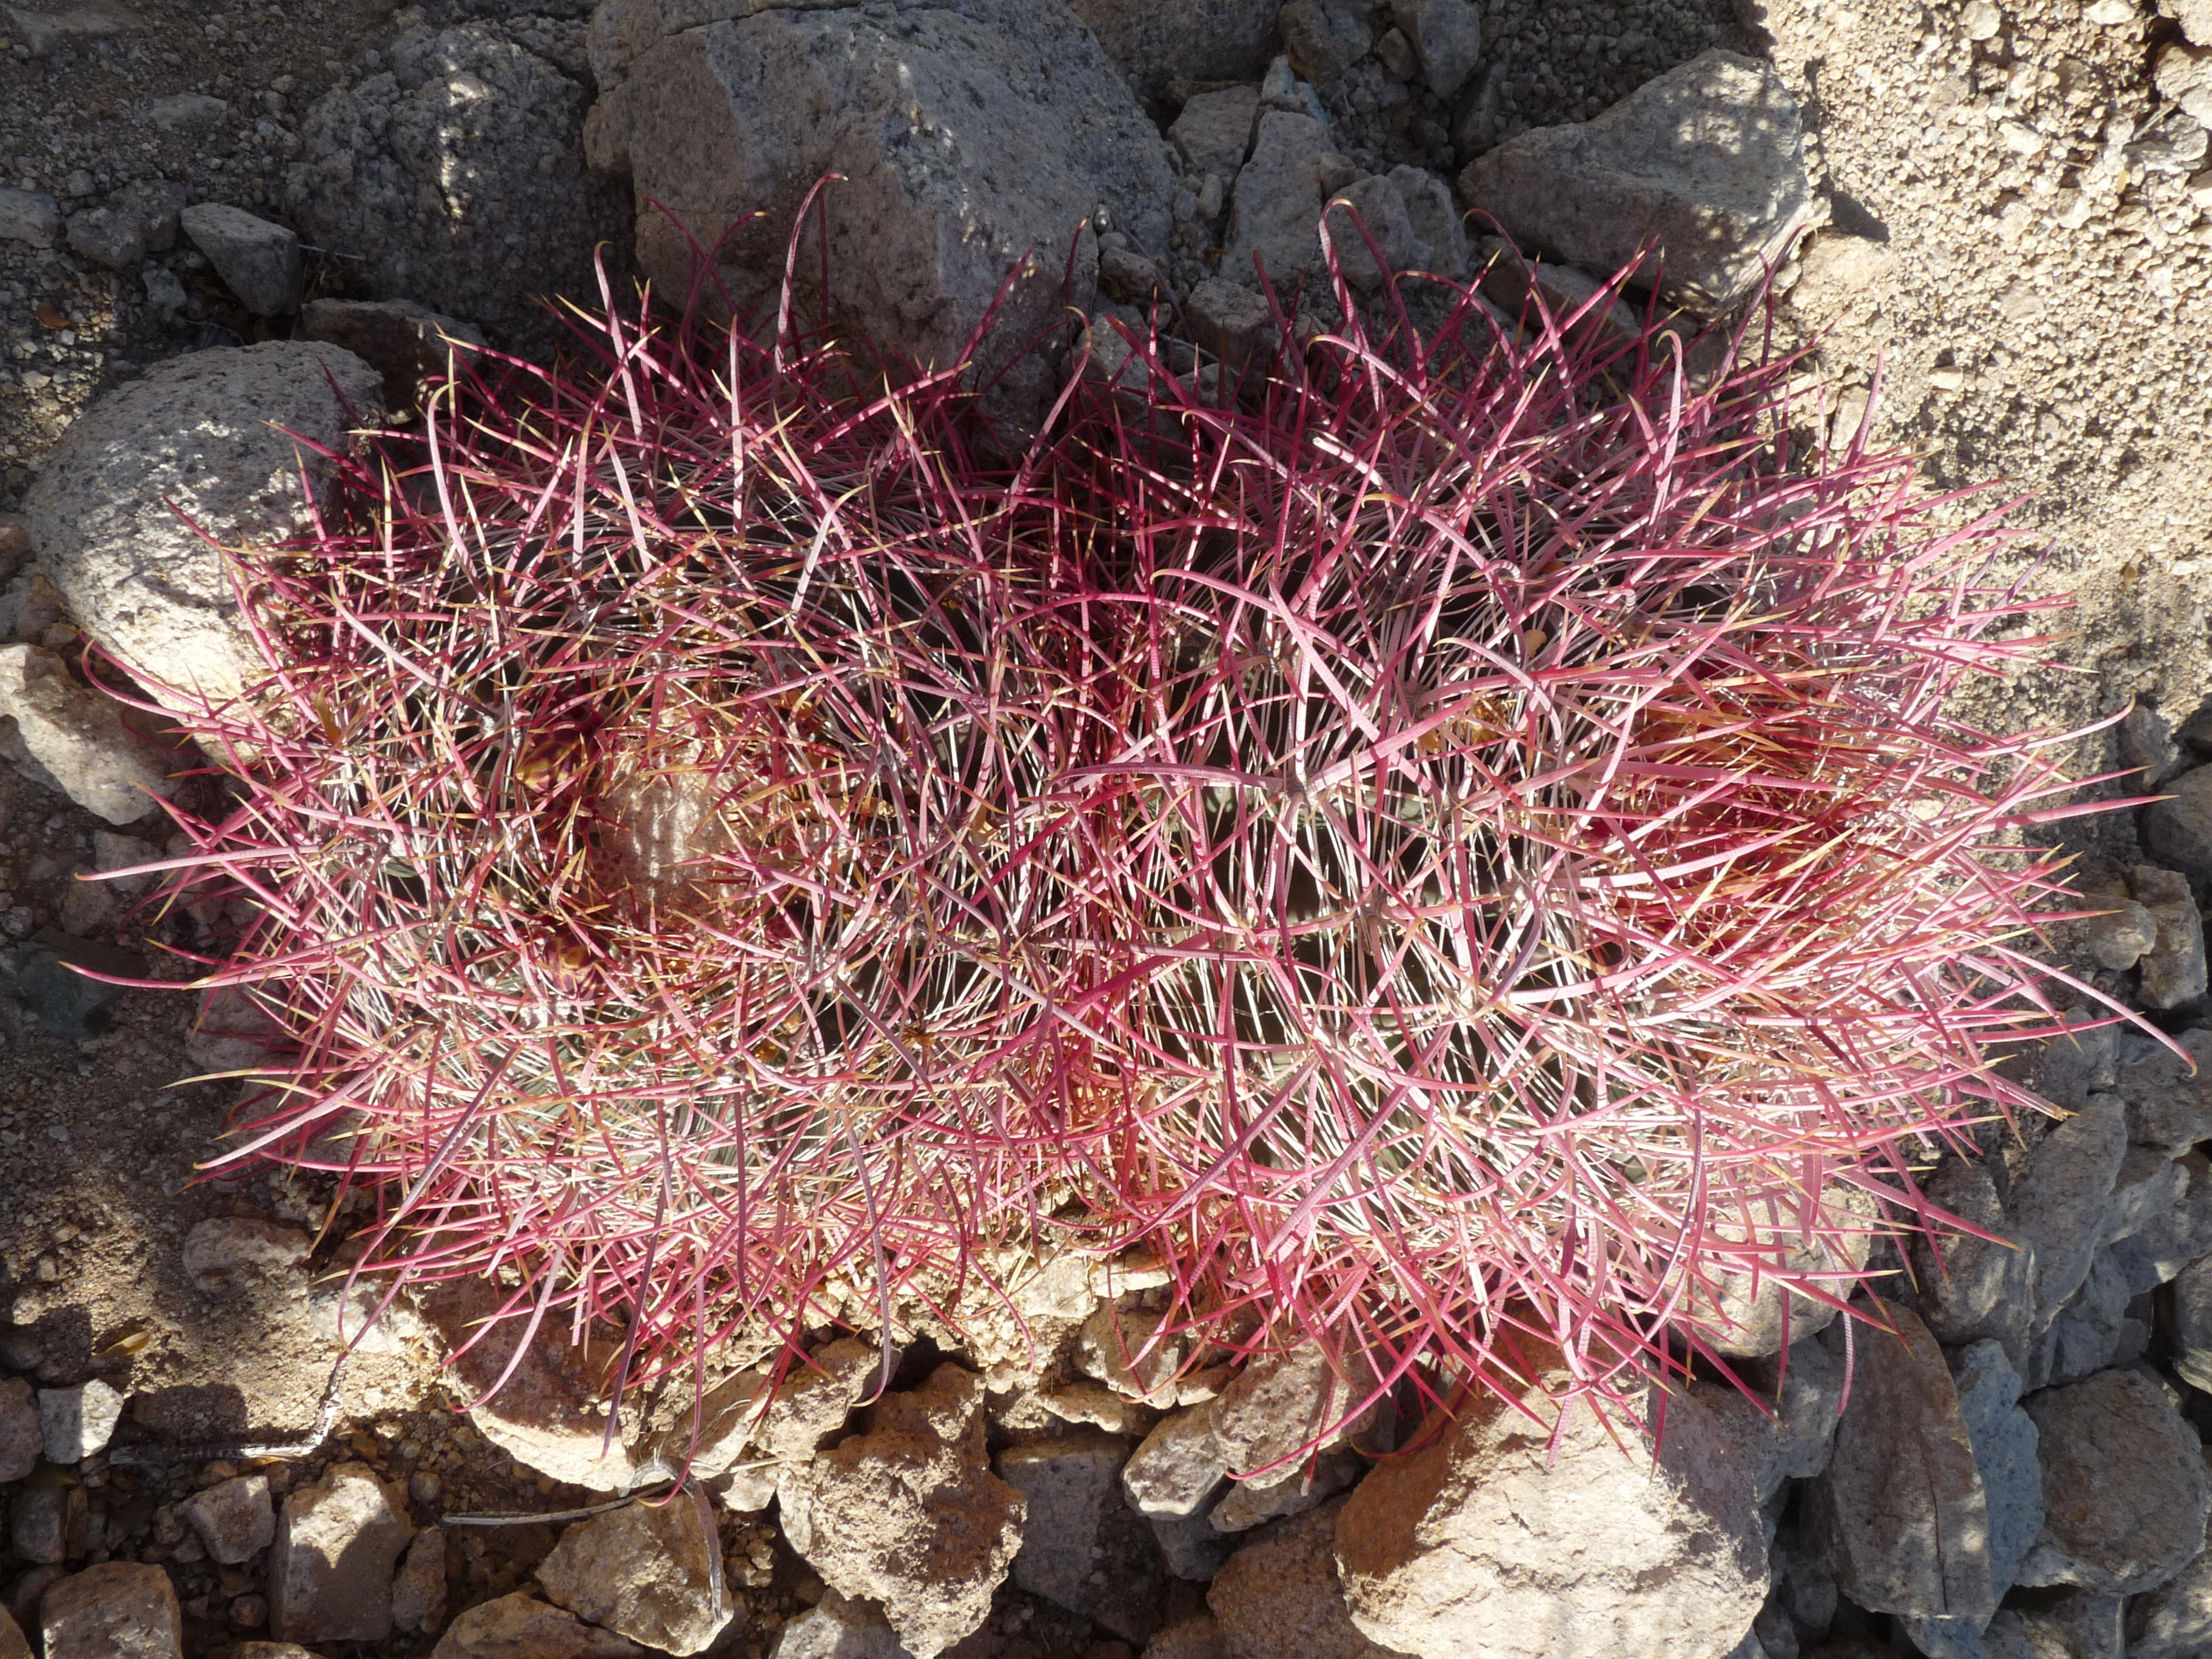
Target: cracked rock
(520, 1626)
(651, 1572)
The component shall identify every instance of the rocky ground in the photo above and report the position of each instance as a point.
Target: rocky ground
(2010, 211)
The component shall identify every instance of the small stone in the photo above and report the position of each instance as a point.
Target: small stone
(2147, 744)
(2172, 965)
(21, 1439)
(258, 261)
(329, 1572)
(652, 1572)
(1179, 1467)
(2174, 1620)
(1435, 218)
(409, 345)
(1980, 20)
(30, 216)
(108, 238)
(1276, 204)
(1082, 1545)
(2154, 1253)
(2178, 831)
(225, 1255)
(76, 738)
(1280, 1596)
(1192, 1550)
(1250, 1503)
(835, 1628)
(520, 1626)
(1324, 38)
(1396, 53)
(234, 1519)
(2058, 1205)
(1972, 1287)
(1120, 1349)
(2119, 938)
(163, 291)
(2125, 1494)
(418, 1593)
(1371, 204)
(117, 1610)
(187, 112)
(1213, 134)
(46, 1524)
(75, 1423)
(1901, 1508)
(153, 204)
(1802, 1392)
(1283, 1402)
(1098, 1406)
(2192, 1325)
(1446, 36)
(1199, 1638)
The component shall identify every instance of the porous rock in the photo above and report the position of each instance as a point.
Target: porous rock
(1180, 1466)
(330, 1571)
(817, 1397)
(2124, 1488)
(457, 174)
(1292, 1490)
(259, 262)
(1972, 1287)
(2080, 1623)
(1083, 1546)
(76, 1422)
(2172, 967)
(418, 1592)
(1446, 36)
(74, 740)
(13, 1645)
(232, 1517)
(2102, 1324)
(1901, 1508)
(1501, 1538)
(1123, 1349)
(2119, 937)
(2166, 1245)
(2058, 1204)
(835, 1628)
(1708, 159)
(1789, 1433)
(117, 1610)
(918, 112)
(520, 1626)
(21, 1439)
(908, 1514)
(2168, 1094)
(199, 430)
(2177, 832)
(1280, 1597)
(1287, 1401)
(2174, 1620)
(409, 345)
(551, 1414)
(1381, 210)
(1753, 1313)
(1275, 209)
(1222, 40)
(1213, 134)
(651, 1572)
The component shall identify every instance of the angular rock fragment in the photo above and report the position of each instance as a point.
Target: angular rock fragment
(74, 740)
(835, 1628)
(2174, 1620)
(258, 261)
(2057, 1206)
(1213, 134)
(1124, 1350)
(651, 1572)
(1283, 1402)
(1972, 1287)
(1179, 1467)
(418, 1593)
(118, 1610)
(21, 1439)
(908, 1514)
(1901, 1508)
(1280, 1596)
(1156, 44)
(2171, 966)
(2125, 1494)
(1083, 1546)
(234, 1518)
(1802, 1395)
(1446, 36)
(1275, 208)
(1708, 159)
(1380, 211)
(520, 1626)
(2168, 1095)
(2177, 832)
(1753, 1314)
(1502, 1538)
(2155, 1252)
(409, 345)
(76, 1422)
(330, 1571)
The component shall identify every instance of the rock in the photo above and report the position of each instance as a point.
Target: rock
(2173, 966)
(76, 739)
(718, 120)
(330, 1571)
(2178, 831)
(1280, 1597)
(1324, 38)
(2119, 938)
(29, 216)
(1970, 1288)
(2162, 1247)
(418, 1593)
(12, 1643)
(1276, 205)
(106, 238)
(835, 1628)
(2169, 1098)
(1435, 218)
(2099, 1325)
(1381, 210)
(1198, 1637)
(2125, 1492)
(234, 1518)
(1192, 1547)
(1752, 1313)
(520, 1626)
(21, 1439)
(117, 1610)
(1281, 89)
(2192, 1325)
(1082, 1545)
(1179, 1467)
(187, 112)
(267, 1650)
(1502, 1537)
(224, 1254)
(1707, 159)
(1803, 1396)
(1248, 1503)
(2080, 1624)
(2174, 1621)
(652, 1572)
(1283, 1403)
(1121, 1350)
(456, 170)
(2058, 1205)
(2147, 1187)
(47, 1523)
(2066, 1070)
(199, 430)
(156, 207)
(65, 1003)
(258, 261)
(549, 1413)
(1100, 1407)
(2183, 74)
(1233, 323)
(1222, 40)
(1446, 36)
(2146, 746)
(1901, 1508)
(909, 1515)
(1213, 134)
(409, 345)
(76, 1422)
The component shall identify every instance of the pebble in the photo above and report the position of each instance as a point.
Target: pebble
(76, 1422)
(234, 1519)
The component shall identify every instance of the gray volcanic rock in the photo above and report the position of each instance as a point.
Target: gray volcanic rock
(2125, 1494)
